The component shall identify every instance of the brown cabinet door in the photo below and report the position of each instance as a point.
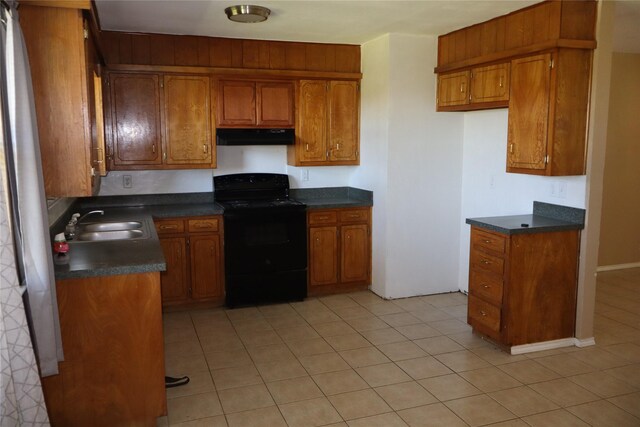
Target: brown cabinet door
(343, 138)
(354, 265)
(187, 120)
(529, 113)
(275, 104)
(174, 280)
(311, 129)
(58, 60)
(490, 84)
(236, 103)
(135, 119)
(323, 255)
(206, 266)
(453, 89)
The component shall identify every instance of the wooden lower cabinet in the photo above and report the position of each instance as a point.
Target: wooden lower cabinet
(113, 372)
(522, 287)
(339, 250)
(193, 253)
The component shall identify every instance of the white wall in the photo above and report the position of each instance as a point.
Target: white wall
(230, 160)
(487, 190)
(414, 168)
(374, 142)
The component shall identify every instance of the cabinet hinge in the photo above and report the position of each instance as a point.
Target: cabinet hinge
(551, 64)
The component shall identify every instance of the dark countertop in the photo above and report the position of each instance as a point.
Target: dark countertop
(89, 259)
(333, 197)
(555, 218)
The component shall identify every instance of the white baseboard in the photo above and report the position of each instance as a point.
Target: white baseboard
(550, 345)
(585, 342)
(618, 266)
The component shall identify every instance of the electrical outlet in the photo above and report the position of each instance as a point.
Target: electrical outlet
(127, 182)
(562, 190)
(304, 175)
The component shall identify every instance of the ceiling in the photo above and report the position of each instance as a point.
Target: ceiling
(352, 22)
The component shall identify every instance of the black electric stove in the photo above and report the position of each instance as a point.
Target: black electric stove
(265, 239)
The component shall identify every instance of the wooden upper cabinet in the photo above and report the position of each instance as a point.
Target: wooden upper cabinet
(248, 104)
(160, 121)
(344, 123)
(187, 120)
(453, 89)
(549, 112)
(311, 131)
(135, 119)
(529, 112)
(275, 104)
(475, 89)
(490, 83)
(62, 62)
(236, 103)
(327, 124)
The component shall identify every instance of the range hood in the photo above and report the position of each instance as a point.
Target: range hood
(255, 136)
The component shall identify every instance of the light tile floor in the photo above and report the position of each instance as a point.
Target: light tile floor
(358, 360)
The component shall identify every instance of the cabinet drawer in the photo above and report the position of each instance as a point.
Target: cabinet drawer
(203, 224)
(166, 226)
(488, 241)
(354, 215)
(484, 313)
(481, 261)
(323, 217)
(486, 286)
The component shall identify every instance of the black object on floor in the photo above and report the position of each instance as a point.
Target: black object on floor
(175, 382)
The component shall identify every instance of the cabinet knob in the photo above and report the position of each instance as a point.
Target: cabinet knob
(485, 262)
(483, 313)
(487, 241)
(168, 227)
(486, 286)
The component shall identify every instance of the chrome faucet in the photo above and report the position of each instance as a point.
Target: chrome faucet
(87, 214)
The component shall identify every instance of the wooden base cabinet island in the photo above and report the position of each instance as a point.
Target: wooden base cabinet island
(522, 286)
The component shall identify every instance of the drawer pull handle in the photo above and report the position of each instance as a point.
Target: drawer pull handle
(487, 241)
(204, 225)
(486, 286)
(323, 217)
(483, 313)
(354, 216)
(168, 227)
(485, 262)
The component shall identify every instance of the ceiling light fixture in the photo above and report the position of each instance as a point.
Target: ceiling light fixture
(247, 13)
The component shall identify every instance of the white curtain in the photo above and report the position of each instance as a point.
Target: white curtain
(21, 399)
(32, 238)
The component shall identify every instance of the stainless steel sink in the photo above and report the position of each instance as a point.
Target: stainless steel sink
(112, 226)
(93, 236)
